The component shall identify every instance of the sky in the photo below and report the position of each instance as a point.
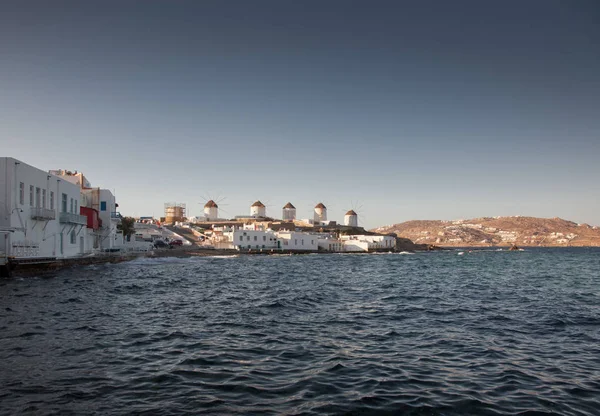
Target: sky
(401, 110)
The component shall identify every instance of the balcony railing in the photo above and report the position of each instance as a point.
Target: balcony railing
(43, 214)
(68, 218)
(116, 216)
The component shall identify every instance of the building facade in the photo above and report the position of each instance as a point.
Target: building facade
(40, 213)
(298, 241)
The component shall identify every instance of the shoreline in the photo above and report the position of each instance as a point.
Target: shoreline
(24, 269)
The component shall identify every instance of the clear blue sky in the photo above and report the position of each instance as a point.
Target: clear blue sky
(409, 110)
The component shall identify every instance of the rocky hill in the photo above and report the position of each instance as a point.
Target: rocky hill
(497, 231)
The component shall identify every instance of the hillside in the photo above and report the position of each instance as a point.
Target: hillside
(497, 231)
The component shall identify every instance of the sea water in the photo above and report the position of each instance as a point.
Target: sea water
(486, 332)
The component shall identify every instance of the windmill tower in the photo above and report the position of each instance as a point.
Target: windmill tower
(211, 211)
(258, 209)
(289, 212)
(320, 213)
(351, 219)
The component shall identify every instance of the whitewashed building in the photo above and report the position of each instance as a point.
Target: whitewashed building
(368, 242)
(40, 213)
(100, 202)
(330, 243)
(246, 239)
(298, 241)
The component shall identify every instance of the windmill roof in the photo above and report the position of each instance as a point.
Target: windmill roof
(351, 212)
(211, 204)
(289, 206)
(320, 205)
(258, 204)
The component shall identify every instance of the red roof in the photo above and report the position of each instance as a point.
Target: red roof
(320, 205)
(258, 204)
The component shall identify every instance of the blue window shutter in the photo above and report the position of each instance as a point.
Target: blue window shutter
(103, 206)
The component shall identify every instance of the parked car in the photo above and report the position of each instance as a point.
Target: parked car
(176, 243)
(160, 244)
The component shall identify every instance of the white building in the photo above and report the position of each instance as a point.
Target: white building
(258, 209)
(298, 241)
(245, 239)
(355, 245)
(320, 213)
(289, 212)
(330, 243)
(102, 201)
(39, 213)
(368, 242)
(211, 211)
(351, 219)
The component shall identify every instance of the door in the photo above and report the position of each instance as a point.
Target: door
(81, 245)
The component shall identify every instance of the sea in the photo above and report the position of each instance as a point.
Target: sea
(433, 333)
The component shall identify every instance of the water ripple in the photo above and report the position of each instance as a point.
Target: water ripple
(431, 333)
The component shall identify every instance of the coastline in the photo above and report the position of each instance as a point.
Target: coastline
(49, 267)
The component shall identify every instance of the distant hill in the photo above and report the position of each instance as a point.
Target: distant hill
(497, 231)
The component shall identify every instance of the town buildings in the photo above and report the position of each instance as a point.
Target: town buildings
(254, 237)
(55, 215)
(40, 213)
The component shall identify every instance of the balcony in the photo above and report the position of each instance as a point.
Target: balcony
(43, 214)
(68, 218)
(116, 216)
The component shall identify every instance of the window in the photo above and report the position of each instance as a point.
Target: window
(44, 198)
(38, 197)
(103, 206)
(312, 242)
(71, 206)
(255, 238)
(241, 238)
(30, 195)
(303, 241)
(264, 238)
(248, 238)
(249, 246)
(64, 203)
(76, 210)
(73, 237)
(51, 200)
(22, 193)
(61, 243)
(263, 246)
(295, 242)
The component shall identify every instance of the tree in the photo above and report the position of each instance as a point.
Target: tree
(127, 225)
